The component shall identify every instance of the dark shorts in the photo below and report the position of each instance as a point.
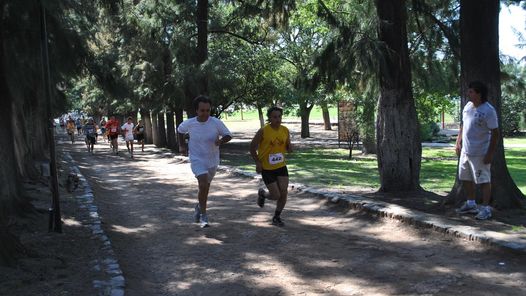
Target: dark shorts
(271, 176)
(90, 139)
(113, 136)
(140, 137)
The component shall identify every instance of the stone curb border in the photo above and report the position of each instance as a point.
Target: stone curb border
(114, 283)
(509, 242)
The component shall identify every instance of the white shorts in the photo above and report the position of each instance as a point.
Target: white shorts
(199, 168)
(128, 138)
(473, 168)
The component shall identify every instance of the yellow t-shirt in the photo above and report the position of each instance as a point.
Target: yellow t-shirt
(273, 146)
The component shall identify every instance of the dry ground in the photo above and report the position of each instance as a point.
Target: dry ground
(146, 206)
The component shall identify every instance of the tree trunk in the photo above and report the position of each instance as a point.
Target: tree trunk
(179, 118)
(479, 51)
(304, 115)
(171, 138)
(10, 183)
(398, 139)
(326, 116)
(147, 120)
(261, 116)
(161, 127)
(155, 130)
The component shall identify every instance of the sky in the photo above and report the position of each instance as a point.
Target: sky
(510, 19)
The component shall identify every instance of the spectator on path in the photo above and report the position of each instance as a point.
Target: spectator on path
(476, 143)
(127, 130)
(268, 149)
(112, 126)
(139, 132)
(90, 130)
(206, 135)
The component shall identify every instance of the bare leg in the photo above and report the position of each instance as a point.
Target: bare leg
(202, 194)
(486, 193)
(469, 186)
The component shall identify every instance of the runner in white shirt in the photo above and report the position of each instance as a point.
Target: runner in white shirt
(127, 130)
(206, 135)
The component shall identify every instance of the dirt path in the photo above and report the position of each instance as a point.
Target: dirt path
(146, 208)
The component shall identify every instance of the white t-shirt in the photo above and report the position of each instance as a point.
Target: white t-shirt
(476, 128)
(202, 147)
(128, 131)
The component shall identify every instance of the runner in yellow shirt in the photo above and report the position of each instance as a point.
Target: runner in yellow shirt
(268, 149)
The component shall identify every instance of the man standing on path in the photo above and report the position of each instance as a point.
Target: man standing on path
(475, 145)
(204, 132)
(268, 148)
(112, 126)
(127, 130)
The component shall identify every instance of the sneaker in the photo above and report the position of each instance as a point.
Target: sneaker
(204, 221)
(484, 213)
(261, 197)
(197, 213)
(276, 221)
(468, 209)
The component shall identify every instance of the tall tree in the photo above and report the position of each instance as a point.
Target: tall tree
(479, 43)
(398, 141)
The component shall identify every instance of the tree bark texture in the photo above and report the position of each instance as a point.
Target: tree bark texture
(147, 120)
(398, 139)
(10, 183)
(479, 52)
(326, 117)
(155, 130)
(261, 117)
(305, 115)
(171, 138)
(161, 127)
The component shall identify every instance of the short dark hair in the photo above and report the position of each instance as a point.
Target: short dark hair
(201, 99)
(272, 109)
(130, 118)
(480, 88)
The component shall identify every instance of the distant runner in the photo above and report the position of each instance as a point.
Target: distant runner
(113, 126)
(90, 130)
(127, 130)
(139, 132)
(70, 129)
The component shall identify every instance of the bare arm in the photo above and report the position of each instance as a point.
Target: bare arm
(458, 145)
(492, 145)
(253, 149)
(289, 145)
(223, 140)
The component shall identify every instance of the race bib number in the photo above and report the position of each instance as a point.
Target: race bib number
(113, 130)
(276, 158)
(90, 131)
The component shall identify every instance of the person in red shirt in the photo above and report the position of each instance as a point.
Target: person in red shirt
(112, 127)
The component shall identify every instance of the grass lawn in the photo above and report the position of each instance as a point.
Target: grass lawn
(315, 114)
(331, 168)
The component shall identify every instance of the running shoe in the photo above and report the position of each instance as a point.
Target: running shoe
(468, 209)
(276, 221)
(197, 214)
(484, 213)
(261, 197)
(204, 221)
